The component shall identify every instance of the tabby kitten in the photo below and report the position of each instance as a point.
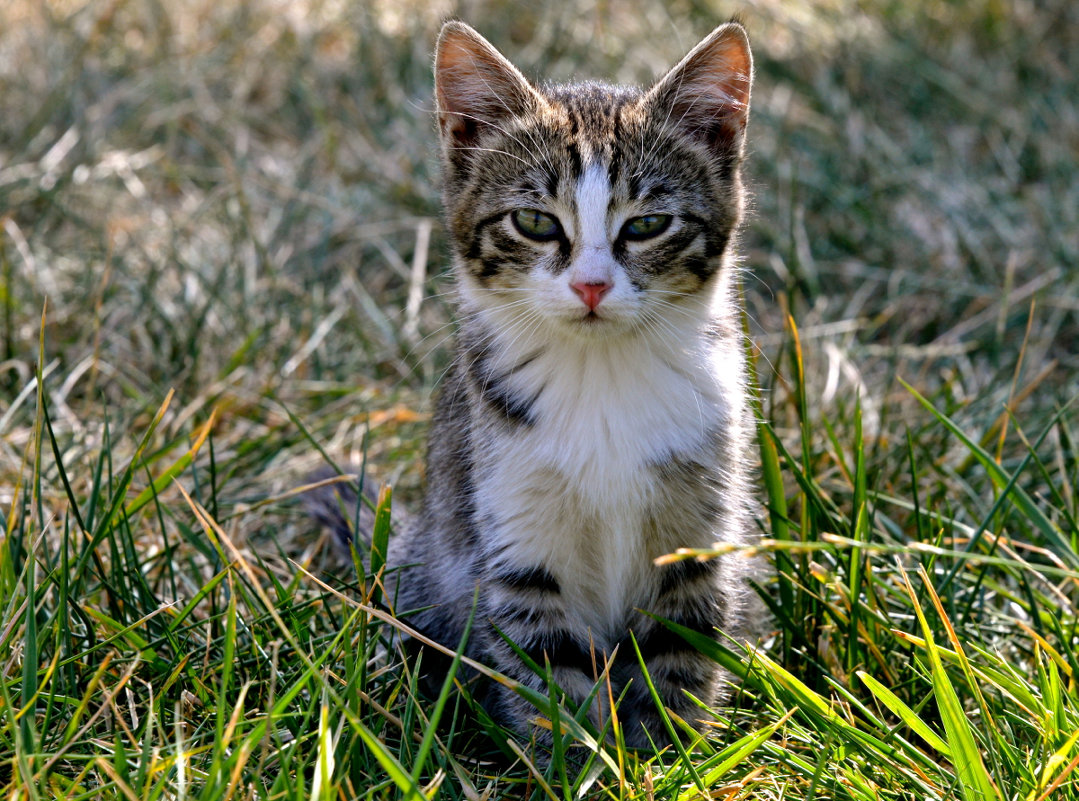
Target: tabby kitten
(595, 416)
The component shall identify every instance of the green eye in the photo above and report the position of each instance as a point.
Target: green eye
(646, 227)
(535, 224)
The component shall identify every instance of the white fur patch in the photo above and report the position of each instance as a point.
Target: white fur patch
(572, 492)
(593, 198)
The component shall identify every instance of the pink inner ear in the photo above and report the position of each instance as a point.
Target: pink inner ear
(708, 93)
(720, 75)
(474, 84)
(456, 74)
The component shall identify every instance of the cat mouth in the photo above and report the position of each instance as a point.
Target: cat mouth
(594, 323)
(594, 320)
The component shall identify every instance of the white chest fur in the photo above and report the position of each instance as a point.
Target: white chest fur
(573, 491)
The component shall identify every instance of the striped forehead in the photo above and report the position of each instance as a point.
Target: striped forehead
(592, 114)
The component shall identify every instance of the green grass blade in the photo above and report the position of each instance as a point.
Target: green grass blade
(904, 713)
(1062, 544)
(443, 695)
(676, 739)
(380, 539)
(322, 782)
(733, 755)
(974, 781)
(165, 478)
(394, 769)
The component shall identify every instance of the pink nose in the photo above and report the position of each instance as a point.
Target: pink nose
(591, 292)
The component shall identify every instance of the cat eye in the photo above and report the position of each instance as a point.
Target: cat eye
(646, 227)
(536, 224)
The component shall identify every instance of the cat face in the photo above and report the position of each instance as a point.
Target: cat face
(587, 208)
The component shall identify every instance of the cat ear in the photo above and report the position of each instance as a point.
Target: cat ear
(707, 93)
(475, 85)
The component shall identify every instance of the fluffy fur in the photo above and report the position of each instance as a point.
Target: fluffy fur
(595, 416)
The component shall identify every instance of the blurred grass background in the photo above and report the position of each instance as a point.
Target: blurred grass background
(234, 199)
(238, 201)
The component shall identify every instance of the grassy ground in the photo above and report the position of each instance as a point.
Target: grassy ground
(220, 247)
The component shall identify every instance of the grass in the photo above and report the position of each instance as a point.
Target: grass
(220, 247)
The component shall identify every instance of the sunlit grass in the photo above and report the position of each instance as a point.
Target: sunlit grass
(224, 209)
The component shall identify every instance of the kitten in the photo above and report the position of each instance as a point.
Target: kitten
(595, 416)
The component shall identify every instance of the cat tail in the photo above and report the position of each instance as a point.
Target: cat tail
(334, 502)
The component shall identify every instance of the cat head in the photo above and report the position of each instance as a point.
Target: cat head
(591, 209)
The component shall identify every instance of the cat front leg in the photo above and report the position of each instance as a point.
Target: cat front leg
(524, 606)
(677, 670)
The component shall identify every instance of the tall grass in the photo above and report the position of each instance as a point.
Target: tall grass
(219, 260)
